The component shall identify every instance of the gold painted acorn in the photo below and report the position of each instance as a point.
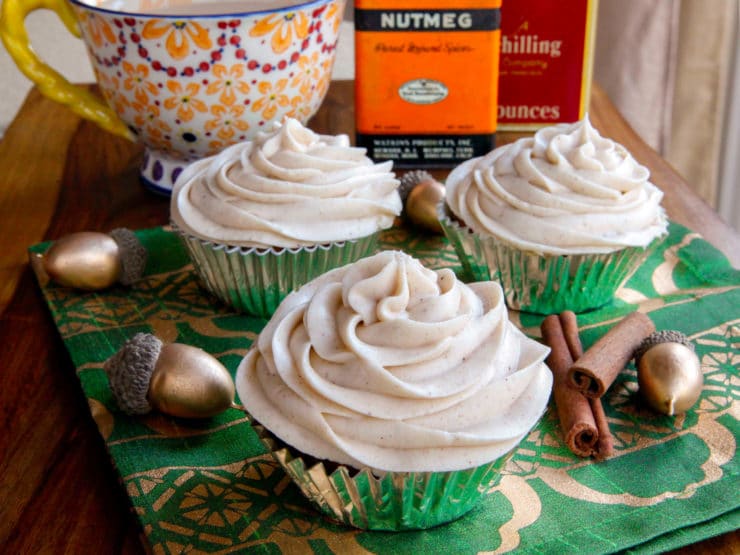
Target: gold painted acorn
(173, 378)
(421, 194)
(669, 372)
(92, 260)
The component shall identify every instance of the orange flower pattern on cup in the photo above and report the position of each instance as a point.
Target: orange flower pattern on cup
(137, 80)
(98, 28)
(178, 35)
(227, 122)
(272, 98)
(189, 86)
(184, 100)
(282, 28)
(228, 82)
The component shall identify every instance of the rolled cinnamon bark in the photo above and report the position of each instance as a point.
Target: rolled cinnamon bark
(605, 444)
(569, 323)
(596, 370)
(574, 411)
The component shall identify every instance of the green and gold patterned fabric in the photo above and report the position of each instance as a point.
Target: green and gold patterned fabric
(209, 486)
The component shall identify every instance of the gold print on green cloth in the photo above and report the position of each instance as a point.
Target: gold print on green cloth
(526, 506)
(237, 507)
(720, 359)
(103, 418)
(158, 301)
(640, 433)
(160, 426)
(663, 281)
(209, 487)
(431, 250)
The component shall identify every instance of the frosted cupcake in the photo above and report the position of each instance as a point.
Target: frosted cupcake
(415, 384)
(561, 219)
(265, 216)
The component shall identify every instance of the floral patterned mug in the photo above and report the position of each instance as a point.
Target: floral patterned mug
(187, 77)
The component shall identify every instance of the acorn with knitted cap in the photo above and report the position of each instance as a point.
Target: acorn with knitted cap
(176, 379)
(669, 372)
(92, 260)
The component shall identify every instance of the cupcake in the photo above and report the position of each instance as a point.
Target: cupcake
(561, 219)
(265, 216)
(408, 387)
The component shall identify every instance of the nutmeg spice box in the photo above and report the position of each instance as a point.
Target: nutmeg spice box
(435, 80)
(426, 79)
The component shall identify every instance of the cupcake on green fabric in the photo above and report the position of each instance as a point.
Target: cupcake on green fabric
(561, 219)
(265, 216)
(393, 394)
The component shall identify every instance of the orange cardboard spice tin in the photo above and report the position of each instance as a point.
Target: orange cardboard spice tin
(426, 79)
(546, 62)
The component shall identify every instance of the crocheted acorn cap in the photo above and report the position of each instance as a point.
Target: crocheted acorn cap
(132, 255)
(657, 337)
(130, 371)
(410, 180)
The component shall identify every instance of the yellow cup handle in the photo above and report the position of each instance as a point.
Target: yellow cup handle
(50, 82)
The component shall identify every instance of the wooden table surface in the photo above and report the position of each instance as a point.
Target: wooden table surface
(59, 492)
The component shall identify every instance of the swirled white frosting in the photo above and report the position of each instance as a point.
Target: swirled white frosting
(566, 190)
(287, 188)
(389, 365)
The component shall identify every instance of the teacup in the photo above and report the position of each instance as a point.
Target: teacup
(188, 78)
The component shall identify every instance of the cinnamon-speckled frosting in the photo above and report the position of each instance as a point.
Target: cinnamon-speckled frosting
(289, 187)
(566, 190)
(386, 364)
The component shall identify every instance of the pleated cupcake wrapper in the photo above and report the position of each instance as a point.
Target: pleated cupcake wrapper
(256, 280)
(542, 283)
(394, 501)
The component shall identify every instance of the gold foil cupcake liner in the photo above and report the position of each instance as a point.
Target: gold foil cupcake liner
(390, 501)
(541, 283)
(256, 280)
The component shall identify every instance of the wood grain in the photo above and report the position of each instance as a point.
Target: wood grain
(30, 189)
(58, 489)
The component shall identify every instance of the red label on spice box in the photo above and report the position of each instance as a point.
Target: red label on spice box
(546, 62)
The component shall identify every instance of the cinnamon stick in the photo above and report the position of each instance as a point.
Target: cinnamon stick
(569, 323)
(605, 444)
(583, 421)
(574, 411)
(596, 370)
